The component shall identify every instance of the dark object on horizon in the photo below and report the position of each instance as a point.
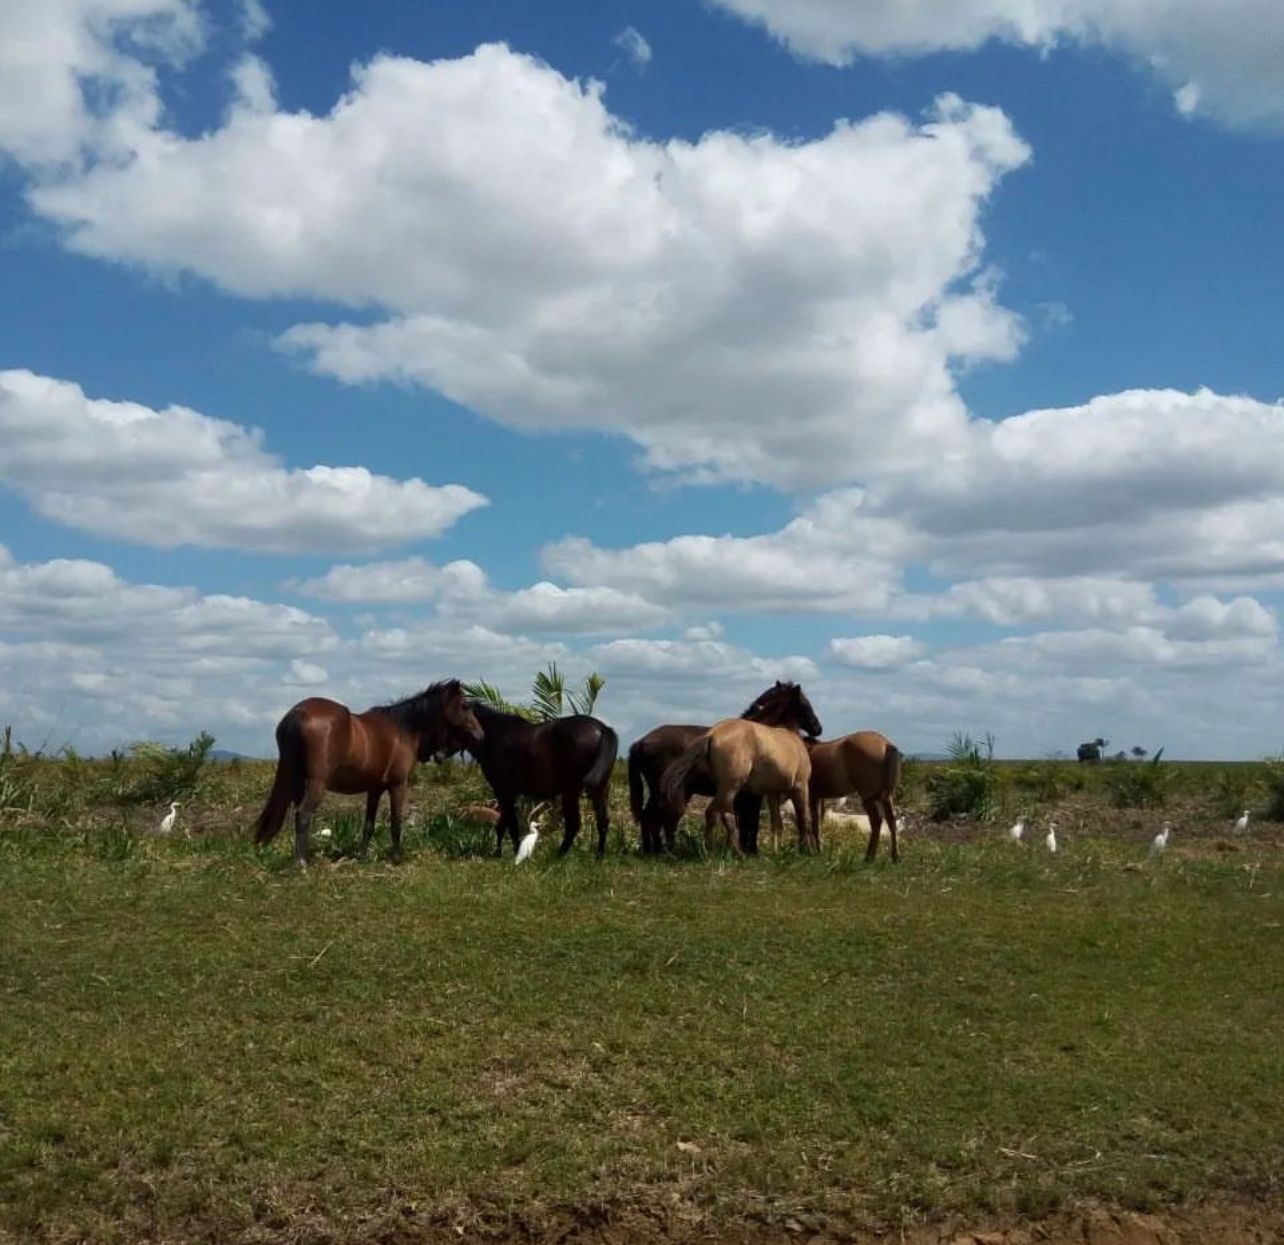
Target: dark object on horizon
(1091, 752)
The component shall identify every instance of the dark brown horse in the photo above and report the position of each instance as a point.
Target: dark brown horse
(324, 746)
(767, 759)
(651, 755)
(867, 764)
(564, 757)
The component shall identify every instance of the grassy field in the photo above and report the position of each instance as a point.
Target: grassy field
(197, 1043)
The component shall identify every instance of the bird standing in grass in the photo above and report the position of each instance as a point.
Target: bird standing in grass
(527, 846)
(1051, 839)
(167, 822)
(1242, 824)
(1160, 842)
(325, 833)
(1015, 832)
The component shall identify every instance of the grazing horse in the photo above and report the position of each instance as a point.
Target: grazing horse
(563, 757)
(651, 755)
(744, 755)
(324, 746)
(865, 763)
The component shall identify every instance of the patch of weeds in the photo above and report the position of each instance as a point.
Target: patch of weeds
(968, 786)
(1138, 784)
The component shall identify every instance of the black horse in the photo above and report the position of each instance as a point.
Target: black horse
(651, 755)
(563, 758)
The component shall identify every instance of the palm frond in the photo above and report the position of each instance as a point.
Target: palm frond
(584, 700)
(548, 693)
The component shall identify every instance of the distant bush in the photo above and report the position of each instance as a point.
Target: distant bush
(160, 773)
(1135, 785)
(1048, 781)
(1273, 776)
(968, 785)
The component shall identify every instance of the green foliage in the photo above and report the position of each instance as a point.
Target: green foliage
(550, 697)
(163, 773)
(968, 785)
(1273, 775)
(1135, 785)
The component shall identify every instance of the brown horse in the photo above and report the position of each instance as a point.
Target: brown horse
(867, 764)
(651, 755)
(324, 746)
(564, 757)
(741, 755)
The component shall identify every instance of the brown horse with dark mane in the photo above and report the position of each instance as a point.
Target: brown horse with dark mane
(651, 755)
(866, 764)
(564, 757)
(768, 760)
(324, 746)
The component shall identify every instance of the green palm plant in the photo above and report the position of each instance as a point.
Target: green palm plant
(550, 697)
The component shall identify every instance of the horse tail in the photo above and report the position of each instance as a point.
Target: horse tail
(674, 782)
(607, 749)
(891, 769)
(637, 796)
(287, 784)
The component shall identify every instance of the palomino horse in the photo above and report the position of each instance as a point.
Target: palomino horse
(741, 755)
(324, 746)
(651, 755)
(563, 757)
(867, 764)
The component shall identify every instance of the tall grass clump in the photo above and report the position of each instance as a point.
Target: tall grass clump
(1135, 784)
(968, 785)
(162, 773)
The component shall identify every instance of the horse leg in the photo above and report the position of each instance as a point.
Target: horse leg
(312, 795)
(507, 822)
(372, 813)
(875, 815)
(798, 798)
(777, 826)
(601, 815)
(890, 811)
(816, 812)
(570, 820)
(396, 802)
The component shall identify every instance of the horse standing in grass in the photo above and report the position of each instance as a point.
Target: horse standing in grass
(324, 746)
(564, 757)
(651, 755)
(740, 755)
(866, 764)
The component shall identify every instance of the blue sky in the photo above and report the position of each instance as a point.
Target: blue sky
(928, 354)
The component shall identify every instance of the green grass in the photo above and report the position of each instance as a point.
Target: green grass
(196, 1043)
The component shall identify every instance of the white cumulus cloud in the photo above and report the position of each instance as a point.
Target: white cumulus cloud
(1222, 56)
(176, 477)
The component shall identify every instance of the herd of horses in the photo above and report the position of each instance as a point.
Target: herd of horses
(771, 752)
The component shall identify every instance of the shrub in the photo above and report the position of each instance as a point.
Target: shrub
(162, 774)
(968, 785)
(1133, 785)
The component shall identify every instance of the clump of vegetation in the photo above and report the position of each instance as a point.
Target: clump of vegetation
(968, 785)
(550, 697)
(162, 773)
(1047, 781)
(1137, 785)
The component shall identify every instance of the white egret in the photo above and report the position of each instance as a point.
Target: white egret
(1160, 842)
(167, 822)
(1015, 832)
(1242, 824)
(527, 846)
(1051, 839)
(325, 833)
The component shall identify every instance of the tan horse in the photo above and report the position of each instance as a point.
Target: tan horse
(741, 755)
(866, 764)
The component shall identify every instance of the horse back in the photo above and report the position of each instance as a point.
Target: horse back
(768, 757)
(864, 762)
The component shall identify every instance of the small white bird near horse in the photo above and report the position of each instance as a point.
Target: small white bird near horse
(167, 822)
(526, 848)
(1160, 842)
(1242, 824)
(1051, 839)
(1017, 830)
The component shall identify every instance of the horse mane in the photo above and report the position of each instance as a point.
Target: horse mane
(769, 703)
(411, 712)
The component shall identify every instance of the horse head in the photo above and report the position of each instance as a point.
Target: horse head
(784, 705)
(454, 727)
